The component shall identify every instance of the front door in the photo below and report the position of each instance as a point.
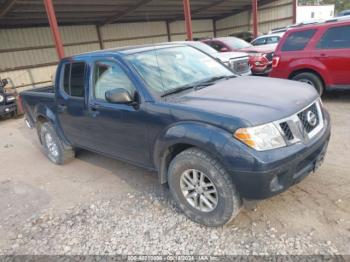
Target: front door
(118, 130)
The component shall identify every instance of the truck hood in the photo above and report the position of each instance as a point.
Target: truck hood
(227, 56)
(254, 100)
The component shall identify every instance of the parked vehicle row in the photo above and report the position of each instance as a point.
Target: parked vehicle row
(237, 61)
(260, 56)
(317, 54)
(8, 105)
(215, 138)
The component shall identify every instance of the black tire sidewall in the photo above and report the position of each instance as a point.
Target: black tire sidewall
(226, 191)
(313, 78)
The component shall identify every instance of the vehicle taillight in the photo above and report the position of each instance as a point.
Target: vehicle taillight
(275, 61)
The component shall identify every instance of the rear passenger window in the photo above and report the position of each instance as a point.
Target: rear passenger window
(334, 38)
(74, 79)
(66, 77)
(298, 40)
(260, 41)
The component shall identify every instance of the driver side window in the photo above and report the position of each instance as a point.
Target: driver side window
(108, 76)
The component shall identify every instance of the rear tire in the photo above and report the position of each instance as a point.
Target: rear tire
(311, 79)
(54, 148)
(203, 189)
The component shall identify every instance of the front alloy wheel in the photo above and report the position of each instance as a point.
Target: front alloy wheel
(202, 188)
(198, 190)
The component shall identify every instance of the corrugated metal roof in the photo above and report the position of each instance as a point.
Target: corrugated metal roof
(15, 13)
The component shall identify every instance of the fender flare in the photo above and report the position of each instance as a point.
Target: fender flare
(45, 112)
(206, 137)
(319, 68)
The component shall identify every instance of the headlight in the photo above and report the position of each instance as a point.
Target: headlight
(10, 98)
(1, 98)
(261, 138)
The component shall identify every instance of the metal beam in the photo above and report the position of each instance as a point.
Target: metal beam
(99, 36)
(115, 17)
(168, 31)
(9, 4)
(199, 10)
(255, 17)
(295, 5)
(214, 27)
(54, 28)
(188, 19)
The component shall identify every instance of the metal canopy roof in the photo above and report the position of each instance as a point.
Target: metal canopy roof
(21, 13)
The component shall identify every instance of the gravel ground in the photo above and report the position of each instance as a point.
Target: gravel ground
(153, 226)
(97, 205)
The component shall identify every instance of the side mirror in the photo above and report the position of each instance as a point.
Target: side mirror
(224, 49)
(118, 96)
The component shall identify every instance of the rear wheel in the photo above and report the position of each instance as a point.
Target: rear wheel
(203, 189)
(311, 79)
(54, 148)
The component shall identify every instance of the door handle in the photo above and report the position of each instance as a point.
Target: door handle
(94, 110)
(61, 108)
(323, 55)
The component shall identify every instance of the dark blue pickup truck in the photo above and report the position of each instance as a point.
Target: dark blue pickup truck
(215, 138)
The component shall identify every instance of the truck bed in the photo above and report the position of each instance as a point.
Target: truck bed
(36, 99)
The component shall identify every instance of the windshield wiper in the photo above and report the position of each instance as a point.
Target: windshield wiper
(197, 86)
(211, 81)
(177, 90)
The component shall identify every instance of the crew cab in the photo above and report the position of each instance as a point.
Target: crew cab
(260, 57)
(215, 138)
(237, 61)
(316, 54)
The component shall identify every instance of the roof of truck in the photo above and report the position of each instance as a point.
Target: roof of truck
(126, 50)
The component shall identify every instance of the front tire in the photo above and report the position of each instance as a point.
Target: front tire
(54, 148)
(203, 189)
(311, 79)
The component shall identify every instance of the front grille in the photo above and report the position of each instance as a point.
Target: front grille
(286, 130)
(309, 118)
(303, 125)
(269, 56)
(240, 66)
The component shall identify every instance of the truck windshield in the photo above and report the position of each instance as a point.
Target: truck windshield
(168, 69)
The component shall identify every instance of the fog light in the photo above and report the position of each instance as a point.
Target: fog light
(6, 110)
(275, 185)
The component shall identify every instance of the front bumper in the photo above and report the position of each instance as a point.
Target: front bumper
(280, 173)
(7, 109)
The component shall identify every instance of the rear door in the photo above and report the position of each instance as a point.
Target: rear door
(333, 50)
(71, 103)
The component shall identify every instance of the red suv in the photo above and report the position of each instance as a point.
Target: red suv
(317, 54)
(260, 57)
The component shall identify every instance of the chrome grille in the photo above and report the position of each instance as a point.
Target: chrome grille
(303, 125)
(286, 130)
(240, 66)
(303, 116)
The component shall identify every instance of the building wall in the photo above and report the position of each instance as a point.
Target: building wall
(308, 13)
(28, 56)
(273, 15)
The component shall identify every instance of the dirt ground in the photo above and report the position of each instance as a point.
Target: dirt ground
(31, 187)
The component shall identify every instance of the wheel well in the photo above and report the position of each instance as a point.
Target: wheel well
(168, 156)
(40, 120)
(306, 70)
